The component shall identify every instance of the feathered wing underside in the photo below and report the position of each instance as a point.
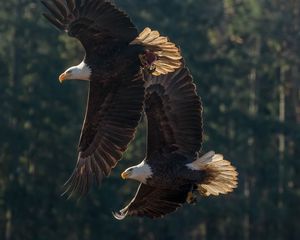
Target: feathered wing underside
(113, 113)
(161, 56)
(90, 20)
(153, 202)
(174, 113)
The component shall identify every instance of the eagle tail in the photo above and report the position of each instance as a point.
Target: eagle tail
(161, 56)
(221, 176)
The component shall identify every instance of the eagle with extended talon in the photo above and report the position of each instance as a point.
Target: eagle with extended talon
(115, 59)
(173, 171)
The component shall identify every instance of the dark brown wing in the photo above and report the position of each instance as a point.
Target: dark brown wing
(91, 21)
(174, 113)
(153, 202)
(113, 112)
(116, 90)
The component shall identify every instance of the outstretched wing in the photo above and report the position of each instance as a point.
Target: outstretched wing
(174, 113)
(153, 202)
(113, 113)
(91, 21)
(116, 89)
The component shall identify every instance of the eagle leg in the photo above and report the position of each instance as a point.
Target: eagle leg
(147, 60)
(191, 196)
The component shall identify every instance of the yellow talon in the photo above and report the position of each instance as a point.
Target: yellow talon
(190, 198)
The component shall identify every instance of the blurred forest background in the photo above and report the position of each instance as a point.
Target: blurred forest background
(245, 58)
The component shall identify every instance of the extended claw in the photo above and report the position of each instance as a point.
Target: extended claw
(191, 198)
(147, 60)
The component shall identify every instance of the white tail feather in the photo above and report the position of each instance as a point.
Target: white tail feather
(168, 56)
(222, 176)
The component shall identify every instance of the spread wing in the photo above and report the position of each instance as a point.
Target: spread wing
(91, 21)
(174, 113)
(113, 112)
(116, 92)
(153, 202)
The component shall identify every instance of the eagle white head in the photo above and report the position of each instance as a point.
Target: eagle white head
(81, 72)
(139, 172)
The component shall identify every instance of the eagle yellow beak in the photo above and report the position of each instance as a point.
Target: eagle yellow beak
(63, 77)
(125, 175)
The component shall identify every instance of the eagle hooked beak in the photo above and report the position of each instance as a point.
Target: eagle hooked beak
(63, 77)
(125, 174)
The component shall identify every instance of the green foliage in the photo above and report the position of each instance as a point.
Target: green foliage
(244, 56)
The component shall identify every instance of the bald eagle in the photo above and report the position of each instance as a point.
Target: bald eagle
(115, 59)
(174, 170)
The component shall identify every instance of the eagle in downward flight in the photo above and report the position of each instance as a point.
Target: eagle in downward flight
(174, 170)
(116, 57)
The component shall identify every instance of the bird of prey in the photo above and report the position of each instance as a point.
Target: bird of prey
(116, 57)
(173, 171)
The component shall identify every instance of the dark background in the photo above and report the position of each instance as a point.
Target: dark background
(244, 55)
